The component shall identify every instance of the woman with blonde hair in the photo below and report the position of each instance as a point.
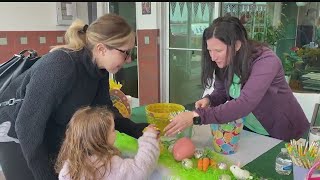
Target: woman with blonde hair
(68, 77)
(88, 150)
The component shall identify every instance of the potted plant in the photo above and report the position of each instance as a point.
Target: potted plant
(311, 57)
(290, 62)
(272, 34)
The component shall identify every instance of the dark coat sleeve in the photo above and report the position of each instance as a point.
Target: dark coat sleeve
(49, 83)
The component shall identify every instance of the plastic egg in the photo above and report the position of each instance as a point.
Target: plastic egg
(198, 153)
(187, 163)
(222, 166)
(224, 177)
(183, 148)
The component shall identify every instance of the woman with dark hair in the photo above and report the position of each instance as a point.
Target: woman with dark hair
(249, 83)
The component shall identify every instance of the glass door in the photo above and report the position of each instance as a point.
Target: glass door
(187, 21)
(128, 75)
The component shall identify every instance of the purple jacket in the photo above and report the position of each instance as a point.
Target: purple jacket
(267, 95)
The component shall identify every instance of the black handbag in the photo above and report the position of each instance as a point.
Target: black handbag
(11, 69)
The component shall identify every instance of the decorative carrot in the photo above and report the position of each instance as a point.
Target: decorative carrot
(213, 163)
(200, 166)
(205, 163)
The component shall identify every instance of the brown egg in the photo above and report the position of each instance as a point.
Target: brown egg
(183, 148)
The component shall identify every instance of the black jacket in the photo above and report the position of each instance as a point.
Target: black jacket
(53, 89)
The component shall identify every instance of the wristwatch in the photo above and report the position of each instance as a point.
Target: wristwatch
(197, 120)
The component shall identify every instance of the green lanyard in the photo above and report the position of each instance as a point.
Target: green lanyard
(235, 87)
(250, 121)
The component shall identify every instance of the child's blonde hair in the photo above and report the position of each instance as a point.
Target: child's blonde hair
(87, 135)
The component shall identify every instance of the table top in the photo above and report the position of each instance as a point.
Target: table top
(262, 166)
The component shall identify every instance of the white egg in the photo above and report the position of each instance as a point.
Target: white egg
(224, 177)
(198, 153)
(222, 166)
(187, 163)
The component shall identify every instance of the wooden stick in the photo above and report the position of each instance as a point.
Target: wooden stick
(305, 148)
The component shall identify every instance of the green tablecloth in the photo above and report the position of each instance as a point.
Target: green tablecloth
(263, 166)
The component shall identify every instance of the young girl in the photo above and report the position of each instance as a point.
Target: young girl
(88, 152)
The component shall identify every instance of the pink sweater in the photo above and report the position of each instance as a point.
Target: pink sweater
(140, 167)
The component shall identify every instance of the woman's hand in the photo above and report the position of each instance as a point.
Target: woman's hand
(202, 103)
(179, 123)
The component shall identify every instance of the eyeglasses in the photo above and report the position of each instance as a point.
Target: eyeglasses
(128, 53)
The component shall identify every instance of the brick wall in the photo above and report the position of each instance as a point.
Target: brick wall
(149, 66)
(12, 42)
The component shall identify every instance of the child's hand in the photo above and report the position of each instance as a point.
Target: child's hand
(153, 129)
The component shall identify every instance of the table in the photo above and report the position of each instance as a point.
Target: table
(263, 166)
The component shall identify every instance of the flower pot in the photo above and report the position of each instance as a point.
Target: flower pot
(288, 77)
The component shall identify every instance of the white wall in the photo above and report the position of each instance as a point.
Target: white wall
(34, 16)
(308, 101)
(147, 21)
(82, 11)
